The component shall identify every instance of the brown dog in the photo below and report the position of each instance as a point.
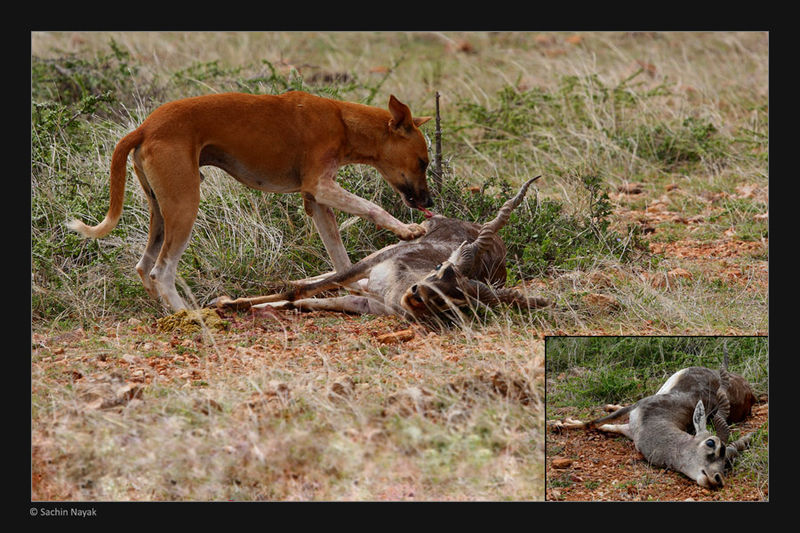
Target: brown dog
(293, 142)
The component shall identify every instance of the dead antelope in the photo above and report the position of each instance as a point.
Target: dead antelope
(660, 425)
(454, 264)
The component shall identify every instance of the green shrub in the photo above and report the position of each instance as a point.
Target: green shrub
(540, 236)
(692, 141)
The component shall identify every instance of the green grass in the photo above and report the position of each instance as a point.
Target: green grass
(621, 370)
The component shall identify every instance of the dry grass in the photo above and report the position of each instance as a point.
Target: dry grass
(311, 407)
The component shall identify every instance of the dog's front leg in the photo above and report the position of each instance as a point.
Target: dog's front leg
(325, 222)
(331, 194)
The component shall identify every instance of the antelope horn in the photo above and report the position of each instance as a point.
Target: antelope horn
(492, 227)
(733, 449)
(720, 419)
(479, 291)
(725, 354)
(487, 295)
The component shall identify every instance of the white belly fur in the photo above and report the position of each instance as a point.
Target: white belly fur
(670, 383)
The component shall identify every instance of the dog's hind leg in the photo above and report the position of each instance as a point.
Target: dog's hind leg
(155, 236)
(179, 204)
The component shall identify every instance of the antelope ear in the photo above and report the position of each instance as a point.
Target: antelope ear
(464, 257)
(699, 417)
(419, 121)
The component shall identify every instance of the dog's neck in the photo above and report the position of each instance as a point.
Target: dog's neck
(366, 128)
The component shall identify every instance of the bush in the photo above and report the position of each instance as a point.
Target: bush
(540, 236)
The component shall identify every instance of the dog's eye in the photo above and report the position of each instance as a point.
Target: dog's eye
(710, 443)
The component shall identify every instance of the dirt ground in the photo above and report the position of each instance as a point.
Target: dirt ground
(115, 370)
(592, 466)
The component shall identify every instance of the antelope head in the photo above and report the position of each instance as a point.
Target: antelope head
(709, 453)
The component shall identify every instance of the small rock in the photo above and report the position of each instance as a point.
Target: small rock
(561, 462)
(396, 337)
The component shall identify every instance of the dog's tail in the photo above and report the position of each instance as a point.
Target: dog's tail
(119, 162)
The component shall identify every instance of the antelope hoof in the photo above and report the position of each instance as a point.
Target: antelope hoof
(226, 302)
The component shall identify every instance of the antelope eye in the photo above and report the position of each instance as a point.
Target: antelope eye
(710, 443)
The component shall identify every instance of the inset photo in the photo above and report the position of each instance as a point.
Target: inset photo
(657, 418)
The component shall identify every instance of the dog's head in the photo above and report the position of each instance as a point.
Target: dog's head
(403, 158)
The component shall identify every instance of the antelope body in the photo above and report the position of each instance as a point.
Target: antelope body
(669, 427)
(455, 263)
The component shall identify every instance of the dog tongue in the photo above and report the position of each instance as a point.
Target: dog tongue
(427, 213)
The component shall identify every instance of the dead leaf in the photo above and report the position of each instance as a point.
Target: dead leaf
(647, 67)
(600, 301)
(574, 39)
(668, 279)
(206, 405)
(409, 401)
(747, 191)
(631, 188)
(461, 45)
(555, 52)
(342, 388)
(102, 396)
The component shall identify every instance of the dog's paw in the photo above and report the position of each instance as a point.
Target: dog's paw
(410, 232)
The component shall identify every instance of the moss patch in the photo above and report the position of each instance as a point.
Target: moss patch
(192, 321)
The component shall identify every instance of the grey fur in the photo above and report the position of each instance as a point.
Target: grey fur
(669, 427)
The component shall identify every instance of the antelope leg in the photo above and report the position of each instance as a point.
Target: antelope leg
(346, 304)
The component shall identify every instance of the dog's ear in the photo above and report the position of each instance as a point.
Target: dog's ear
(401, 114)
